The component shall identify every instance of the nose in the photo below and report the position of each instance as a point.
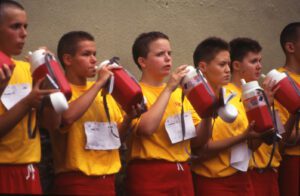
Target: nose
(227, 68)
(93, 59)
(168, 57)
(259, 66)
(23, 32)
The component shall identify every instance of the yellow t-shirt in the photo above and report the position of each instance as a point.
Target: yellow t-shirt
(261, 156)
(219, 166)
(284, 114)
(16, 147)
(158, 145)
(69, 144)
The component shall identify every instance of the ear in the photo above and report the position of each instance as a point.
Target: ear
(67, 58)
(236, 66)
(142, 62)
(202, 66)
(289, 47)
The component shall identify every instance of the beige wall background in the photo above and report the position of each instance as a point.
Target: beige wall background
(116, 23)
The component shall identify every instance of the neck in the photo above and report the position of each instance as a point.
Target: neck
(153, 81)
(216, 89)
(292, 65)
(75, 79)
(236, 80)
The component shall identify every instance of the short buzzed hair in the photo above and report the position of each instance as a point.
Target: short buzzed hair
(68, 43)
(290, 33)
(141, 44)
(8, 3)
(240, 47)
(208, 49)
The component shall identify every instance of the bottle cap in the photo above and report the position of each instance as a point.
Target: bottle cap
(190, 74)
(36, 59)
(59, 102)
(228, 113)
(276, 75)
(250, 85)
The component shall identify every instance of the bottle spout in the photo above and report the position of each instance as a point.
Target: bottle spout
(243, 81)
(103, 63)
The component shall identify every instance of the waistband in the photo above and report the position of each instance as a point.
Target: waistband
(21, 165)
(264, 170)
(81, 174)
(181, 166)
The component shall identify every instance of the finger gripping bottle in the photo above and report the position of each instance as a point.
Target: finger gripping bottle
(256, 106)
(199, 93)
(4, 59)
(288, 92)
(42, 64)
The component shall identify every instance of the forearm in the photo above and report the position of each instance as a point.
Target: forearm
(293, 137)
(12, 117)
(150, 120)
(204, 132)
(254, 144)
(289, 127)
(79, 106)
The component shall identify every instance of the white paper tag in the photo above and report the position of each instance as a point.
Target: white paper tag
(240, 156)
(174, 130)
(101, 136)
(14, 93)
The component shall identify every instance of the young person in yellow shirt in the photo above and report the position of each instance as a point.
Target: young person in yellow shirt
(158, 154)
(86, 149)
(19, 146)
(289, 172)
(216, 172)
(246, 63)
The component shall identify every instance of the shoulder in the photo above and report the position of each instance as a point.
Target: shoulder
(22, 64)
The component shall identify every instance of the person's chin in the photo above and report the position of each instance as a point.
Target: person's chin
(16, 52)
(225, 81)
(254, 78)
(91, 75)
(165, 73)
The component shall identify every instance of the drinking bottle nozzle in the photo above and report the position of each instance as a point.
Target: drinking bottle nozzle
(243, 81)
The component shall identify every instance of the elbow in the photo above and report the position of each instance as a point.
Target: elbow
(67, 121)
(145, 131)
(198, 142)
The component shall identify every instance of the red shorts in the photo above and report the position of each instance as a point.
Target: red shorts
(77, 183)
(19, 179)
(289, 176)
(159, 178)
(264, 182)
(237, 184)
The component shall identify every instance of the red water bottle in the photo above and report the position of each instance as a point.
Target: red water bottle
(199, 93)
(4, 59)
(288, 92)
(256, 106)
(125, 89)
(42, 63)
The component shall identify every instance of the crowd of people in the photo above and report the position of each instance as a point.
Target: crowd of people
(157, 162)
